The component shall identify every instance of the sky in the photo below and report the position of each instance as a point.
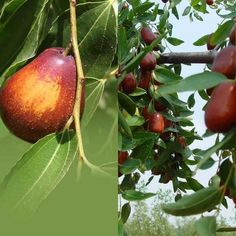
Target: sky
(189, 32)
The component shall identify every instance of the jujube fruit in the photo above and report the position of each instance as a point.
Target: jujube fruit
(147, 35)
(210, 2)
(129, 83)
(232, 36)
(148, 62)
(39, 98)
(156, 123)
(220, 113)
(225, 62)
(145, 79)
(122, 157)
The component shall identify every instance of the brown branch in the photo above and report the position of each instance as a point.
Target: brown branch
(187, 57)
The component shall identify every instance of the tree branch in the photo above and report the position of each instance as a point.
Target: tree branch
(187, 57)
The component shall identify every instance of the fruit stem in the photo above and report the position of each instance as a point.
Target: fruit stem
(80, 76)
(80, 81)
(68, 49)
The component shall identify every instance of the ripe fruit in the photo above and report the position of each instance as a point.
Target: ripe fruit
(145, 113)
(166, 135)
(182, 141)
(220, 113)
(129, 84)
(209, 45)
(225, 62)
(159, 106)
(148, 62)
(232, 36)
(38, 99)
(122, 157)
(147, 35)
(156, 123)
(145, 79)
(210, 2)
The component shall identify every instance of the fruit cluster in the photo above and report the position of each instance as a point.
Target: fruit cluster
(220, 112)
(154, 110)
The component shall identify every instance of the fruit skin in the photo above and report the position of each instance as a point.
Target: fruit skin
(122, 157)
(148, 62)
(234, 200)
(220, 113)
(147, 35)
(159, 106)
(209, 2)
(182, 141)
(39, 98)
(209, 45)
(129, 83)
(156, 123)
(145, 79)
(232, 36)
(225, 62)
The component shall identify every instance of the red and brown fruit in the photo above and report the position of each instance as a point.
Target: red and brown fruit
(122, 157)
(209, 2)
(220, 113)
(159, 106)
(232, 36)
(148, 62)
(147, 35)
(145, 79)
(225, 62)
(182, 141)
(156, 123)
(129, 83)
(39, 98)
(210, 46)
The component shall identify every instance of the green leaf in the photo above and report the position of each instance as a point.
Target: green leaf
(196, 203)
(94, 91)
(228, 229)
(122, 44)
(174, 41)
(165, 75)
(132, 195)
(138, 92)
(38, 172)
(206, 226)
(194, 184)
(18, 44)
(186, 11)
(222, 32)
(125, 212)
(124, 124)
(202, 41)
(129, 166)
(192, 83)
(127, 103)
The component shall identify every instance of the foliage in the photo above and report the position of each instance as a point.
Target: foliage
(168, 153)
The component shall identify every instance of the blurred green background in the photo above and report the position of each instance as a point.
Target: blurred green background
(84, 207)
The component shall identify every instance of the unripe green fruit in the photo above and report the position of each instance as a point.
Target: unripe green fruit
(39, 98)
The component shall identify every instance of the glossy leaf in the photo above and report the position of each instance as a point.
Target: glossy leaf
(38, 172)
(132, 195)
(206, 226)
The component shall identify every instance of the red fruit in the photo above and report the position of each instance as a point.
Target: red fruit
(209, 45)
(159, 106)
(232, 36)
(129, 84)
(166, 135)
(210, 2)
(147, 35)
(39, 99)
(156, 123)
(145, 79)
(122, 157)
(182, 141)
(220, 113)
(225, 62)
(148, 62)
(234, 199)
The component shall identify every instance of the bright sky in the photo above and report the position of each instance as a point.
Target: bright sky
(190, 32)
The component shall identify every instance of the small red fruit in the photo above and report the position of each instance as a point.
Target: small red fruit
(220, 113)
(145, 79)
(122, 157)
(232, 36)
(210, 2)
(129, 83)
(148, 62)
(147, 35)
(225, 62)
(159, 106)
(145, 113)
(39, 98)
(209, 45)
(182, 141)
(156, 123)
